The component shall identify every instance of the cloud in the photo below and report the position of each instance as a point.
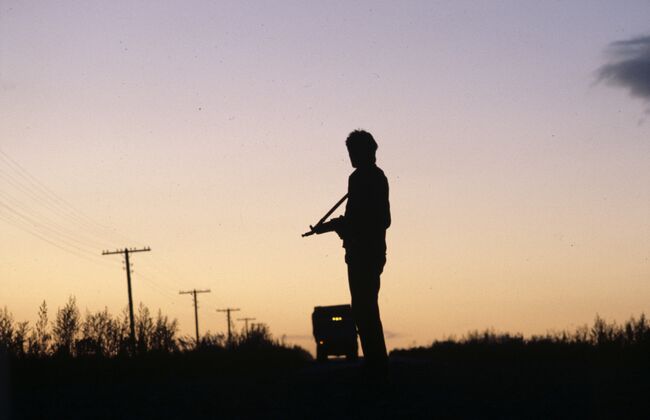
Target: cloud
(629, 66)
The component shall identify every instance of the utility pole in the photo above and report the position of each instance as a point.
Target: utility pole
(196, 311)
(126, 252)
(245, 319)
(227, 311)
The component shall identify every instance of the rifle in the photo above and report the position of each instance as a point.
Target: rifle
(324, 218)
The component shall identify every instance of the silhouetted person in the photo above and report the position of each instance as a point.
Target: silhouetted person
(363, 230)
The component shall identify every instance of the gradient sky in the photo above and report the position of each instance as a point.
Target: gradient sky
(214, 133)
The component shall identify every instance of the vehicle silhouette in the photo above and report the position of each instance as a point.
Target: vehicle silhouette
(335, 332)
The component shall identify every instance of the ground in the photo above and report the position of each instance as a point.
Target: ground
(199, 387)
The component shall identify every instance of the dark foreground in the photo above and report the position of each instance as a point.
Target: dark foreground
(203, 386)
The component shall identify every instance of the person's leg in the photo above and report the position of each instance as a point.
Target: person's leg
(364, 289)
(357, 282)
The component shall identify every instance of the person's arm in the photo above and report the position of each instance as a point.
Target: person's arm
(340, 224)
(385, 218)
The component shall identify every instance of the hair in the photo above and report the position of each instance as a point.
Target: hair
(362, 142)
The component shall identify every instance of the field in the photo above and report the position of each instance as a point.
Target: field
(499, 381)
(88, 368)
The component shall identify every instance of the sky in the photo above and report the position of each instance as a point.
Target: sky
(514, 135)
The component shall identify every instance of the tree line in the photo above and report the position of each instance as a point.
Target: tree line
(606, 338)
(101, 334)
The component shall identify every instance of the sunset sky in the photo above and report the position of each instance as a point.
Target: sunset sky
(213, 132)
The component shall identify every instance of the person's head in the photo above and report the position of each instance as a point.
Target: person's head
(361, 147)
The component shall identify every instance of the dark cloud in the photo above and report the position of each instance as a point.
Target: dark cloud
(629, 66)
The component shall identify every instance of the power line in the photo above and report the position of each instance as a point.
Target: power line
(50, 209)
(31, 221)
(57, 243)
(194, 292)
(228, 311)
(246, 319)
(45, 234)
(153, 285)
(126, 252)
(47, 199)
(31, 206)
(44, 194)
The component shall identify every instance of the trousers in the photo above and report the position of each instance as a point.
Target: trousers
(364, 281)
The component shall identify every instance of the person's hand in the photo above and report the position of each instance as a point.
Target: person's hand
(340, 232)
(319, 228)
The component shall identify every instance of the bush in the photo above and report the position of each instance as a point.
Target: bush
(39, 340)
(101, 335)
(66, 328)
(602, 336)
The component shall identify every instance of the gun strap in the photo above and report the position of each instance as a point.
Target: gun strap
(332, 210)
